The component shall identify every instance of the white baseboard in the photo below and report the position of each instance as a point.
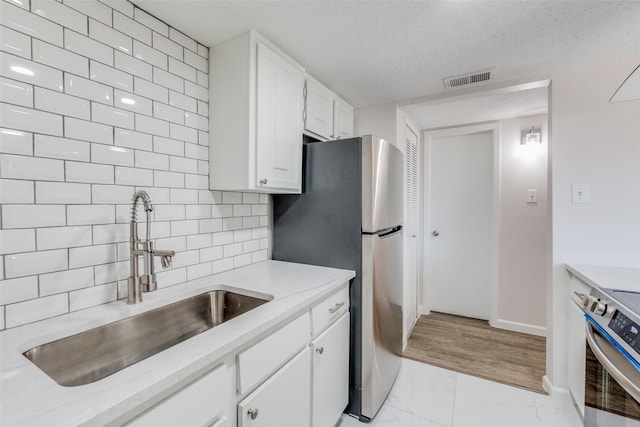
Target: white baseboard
(519, 327)
(563, 396)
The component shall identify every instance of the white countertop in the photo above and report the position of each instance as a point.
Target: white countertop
(28, 397)
(626, 279)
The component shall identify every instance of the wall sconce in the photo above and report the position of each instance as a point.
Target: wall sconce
(531, 136)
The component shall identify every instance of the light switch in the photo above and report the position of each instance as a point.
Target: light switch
(579, 193)
(532, 196)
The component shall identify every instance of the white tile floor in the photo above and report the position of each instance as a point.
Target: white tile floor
(427, 396)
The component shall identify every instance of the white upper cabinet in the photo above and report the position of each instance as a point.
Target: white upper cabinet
(326, 115)
(256, 117)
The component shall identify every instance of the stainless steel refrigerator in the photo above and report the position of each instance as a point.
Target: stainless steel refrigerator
(349, 215)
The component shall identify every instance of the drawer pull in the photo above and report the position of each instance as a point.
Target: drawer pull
(320, 350)
(253, 413)
(336, 307)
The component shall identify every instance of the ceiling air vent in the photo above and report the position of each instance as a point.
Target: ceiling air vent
(466, 79)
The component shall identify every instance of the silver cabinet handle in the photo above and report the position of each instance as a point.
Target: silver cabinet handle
(263, 181)
(320, 350)
(253, 413)
(336, 307)
(435, 233)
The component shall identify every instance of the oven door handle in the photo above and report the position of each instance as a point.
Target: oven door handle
(614, 362)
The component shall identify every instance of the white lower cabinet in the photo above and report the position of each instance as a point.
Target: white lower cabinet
(330, 374)
(576, 348)
(283, 400)
(204, 402)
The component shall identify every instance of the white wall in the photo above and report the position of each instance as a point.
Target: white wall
(596, 143)
(523, 227)
(72, 152)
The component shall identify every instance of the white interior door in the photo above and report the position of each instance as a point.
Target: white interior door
(459, 213)
(411, 232)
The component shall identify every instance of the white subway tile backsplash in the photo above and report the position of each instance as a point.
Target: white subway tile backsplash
(133, 139)
(133, 176)
(30, 23)
(250, 246)
(123, 6)
(15, 92)
(172, 277)
(61, 148)
(211, 253)
(250, 198)
(147, 160)
(92, 255)
(92, 296)
(221, 211)
(229, 224)
(14, 42)
(182, 228)
(259, 233)
(169, 213)
(168, 179)
(150, 125)
(203, 80)
(210, 225)
(112, 116)
(89, 173)
(22, 167)
(151, 90)
(231, 197)
(185, 102)
(196, 121)
(167, 46)
(16, 142)
(88, 131)
(111, 155)
(62, 193)
(195, 211)
(199, 270)
(151, 22)
(196, 91)
(52, 101)
(222, 238)
(183, 70)
(2, 310)
(203, 138)
(183, 133)
(111, 194)
(63, 237)
(183, 197)
(221, 265)
(250, 222)
(203, 109)
(36, 309)
(88, 47)
(128, 26)
(209, 197)
(259, 256)
(168, 146)
(133, 65)
(203, 51)
(60, 58)
(182, 164)
(183, 40)
(203, 167)
(19, 240)
(88, 89)
(25, 216)
(31, 120)
(60, 14)
(16, 191)
(150, 55)
(241, 260)
(90, 214)
(112, 233)
(135, 103)
(241, 210)
(30, 263)
(197, 61)
(23, 70)
(16, 290)
(257, 210)
(110, 76)
(242, 235)
(92, 8)
(198, 241)
(168, 80)
(167, 112)
(196, 181)
(65, 281)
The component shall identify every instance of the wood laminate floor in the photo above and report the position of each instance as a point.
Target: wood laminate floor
(472, 347)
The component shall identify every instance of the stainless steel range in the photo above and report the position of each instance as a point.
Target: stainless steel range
(612, 381)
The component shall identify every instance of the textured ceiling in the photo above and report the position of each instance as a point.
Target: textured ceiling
(373, 52)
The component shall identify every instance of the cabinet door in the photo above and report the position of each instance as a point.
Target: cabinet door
(319, 110)
(330, 374)
(283, 400)
(342, 119)
(279, 106)
(576, 354)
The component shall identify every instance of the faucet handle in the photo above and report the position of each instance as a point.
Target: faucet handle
(165, 257)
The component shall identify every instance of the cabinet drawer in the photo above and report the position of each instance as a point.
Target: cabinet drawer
(203, 402)
(330, 309)
(259, 361)
(284, 400)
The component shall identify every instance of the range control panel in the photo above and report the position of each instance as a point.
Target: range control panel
(626, 329)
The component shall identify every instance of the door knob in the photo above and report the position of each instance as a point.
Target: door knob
(253, 413)
(435, 233)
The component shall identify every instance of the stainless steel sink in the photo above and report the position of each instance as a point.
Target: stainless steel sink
(97, 353)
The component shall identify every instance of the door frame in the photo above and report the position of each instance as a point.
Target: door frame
(427, 137)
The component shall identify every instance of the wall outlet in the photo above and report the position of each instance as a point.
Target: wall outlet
(532, 196)
(579, 193)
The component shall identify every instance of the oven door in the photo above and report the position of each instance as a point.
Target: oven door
(612, 383)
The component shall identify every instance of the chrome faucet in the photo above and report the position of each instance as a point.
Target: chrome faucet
(138, 283)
